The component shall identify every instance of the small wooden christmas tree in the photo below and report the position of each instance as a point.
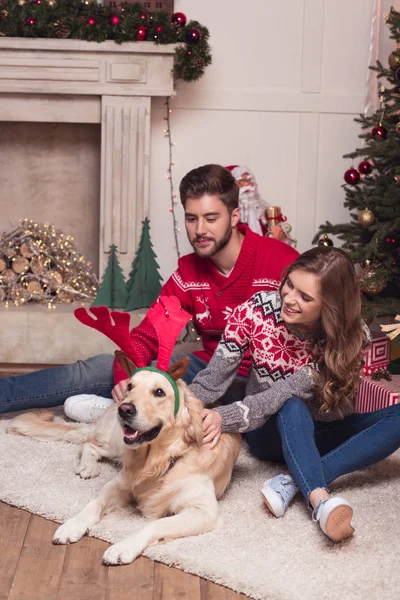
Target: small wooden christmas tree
(144, 280)
(112, 292)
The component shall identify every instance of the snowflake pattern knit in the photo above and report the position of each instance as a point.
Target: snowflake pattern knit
(282, 366)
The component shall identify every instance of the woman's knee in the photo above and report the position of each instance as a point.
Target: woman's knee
(294, 407)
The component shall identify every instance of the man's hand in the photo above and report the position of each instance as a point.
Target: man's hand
(212, 423)
(118, 392)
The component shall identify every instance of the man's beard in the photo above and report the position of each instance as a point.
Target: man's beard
(217, 246)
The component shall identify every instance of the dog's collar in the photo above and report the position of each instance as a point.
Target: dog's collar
(172, 382)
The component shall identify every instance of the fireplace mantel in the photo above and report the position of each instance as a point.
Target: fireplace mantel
(72, 81)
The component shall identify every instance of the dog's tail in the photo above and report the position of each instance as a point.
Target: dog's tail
(40, 426)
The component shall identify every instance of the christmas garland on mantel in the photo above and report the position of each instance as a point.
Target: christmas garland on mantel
(93, 22)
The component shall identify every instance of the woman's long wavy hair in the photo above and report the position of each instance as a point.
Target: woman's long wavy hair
(339, 339)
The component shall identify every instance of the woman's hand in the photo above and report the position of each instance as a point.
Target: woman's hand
(119, 390)
(212, 423)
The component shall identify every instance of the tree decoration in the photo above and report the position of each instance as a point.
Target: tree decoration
(144, 284)
(394, 60)
(378, 132)
(366, 217)
(372, 280)
(193, 36)
(39, 263)
(351, 176)
(179, 18)
(125, 22)
(365, 167)
(112, 292)
(392, 330)
(325, 241)
(397, 128)
(141, 32)
(373, 204)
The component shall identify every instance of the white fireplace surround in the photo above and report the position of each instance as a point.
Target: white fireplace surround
(70, 81)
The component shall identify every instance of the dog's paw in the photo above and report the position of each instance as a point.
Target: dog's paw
(122, 553)
(88, 471)
(70, 532)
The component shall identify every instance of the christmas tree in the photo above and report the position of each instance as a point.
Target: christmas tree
(112, 291)
(144, 280)
(373, 193)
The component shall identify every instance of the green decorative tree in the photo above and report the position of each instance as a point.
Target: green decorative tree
(112, 291)
(373, 194)
(144, 280)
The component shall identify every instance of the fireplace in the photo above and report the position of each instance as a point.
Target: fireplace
(78, 82)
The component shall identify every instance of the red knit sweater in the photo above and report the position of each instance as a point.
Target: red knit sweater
(211, 297)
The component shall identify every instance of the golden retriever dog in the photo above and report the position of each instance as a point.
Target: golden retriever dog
(174, 479)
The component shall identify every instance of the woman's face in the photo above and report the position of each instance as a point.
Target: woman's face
(301, 300)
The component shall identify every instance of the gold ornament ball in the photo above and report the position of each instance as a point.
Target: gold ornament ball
(21, 2)
(370, 282)
(325, 241)
(366, 217)
(394, 60)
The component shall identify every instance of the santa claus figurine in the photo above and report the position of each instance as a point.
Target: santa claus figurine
(253, 207)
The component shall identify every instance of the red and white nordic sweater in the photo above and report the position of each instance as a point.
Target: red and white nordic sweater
(210, 297)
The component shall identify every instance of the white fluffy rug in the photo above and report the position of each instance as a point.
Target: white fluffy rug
(251, 552)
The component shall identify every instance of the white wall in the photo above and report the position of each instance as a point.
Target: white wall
(286, 82)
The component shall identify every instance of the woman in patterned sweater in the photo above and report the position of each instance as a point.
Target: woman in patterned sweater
(306, 344)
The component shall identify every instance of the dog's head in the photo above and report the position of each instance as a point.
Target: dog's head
(152, 400)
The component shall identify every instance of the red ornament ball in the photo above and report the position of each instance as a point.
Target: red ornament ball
(159, 28)
(352, 177)
(365, 167)
(378, 132)
(141, 32)
(144, 15)
(114, 20)
(193, 36)
(179, 18)
(91, 21)
(30, 21)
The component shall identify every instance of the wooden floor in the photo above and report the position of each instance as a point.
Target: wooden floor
(31, 568)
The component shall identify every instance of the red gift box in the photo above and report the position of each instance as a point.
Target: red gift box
(377, 355)
(374, 394)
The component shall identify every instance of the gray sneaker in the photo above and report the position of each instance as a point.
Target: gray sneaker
(278, 492)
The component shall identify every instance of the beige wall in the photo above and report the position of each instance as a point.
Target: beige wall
(281, 95)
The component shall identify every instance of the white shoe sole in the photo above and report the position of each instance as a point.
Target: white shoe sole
(273, 502)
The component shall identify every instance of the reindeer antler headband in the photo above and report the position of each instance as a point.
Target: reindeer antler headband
(167, 317)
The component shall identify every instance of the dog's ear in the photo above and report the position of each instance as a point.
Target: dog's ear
(179, 368)
(125, 362)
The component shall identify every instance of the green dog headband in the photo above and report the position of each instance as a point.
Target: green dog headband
(172, 382)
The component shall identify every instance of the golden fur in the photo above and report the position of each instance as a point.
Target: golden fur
(172, 474)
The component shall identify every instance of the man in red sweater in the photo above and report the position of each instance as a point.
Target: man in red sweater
(229, 264)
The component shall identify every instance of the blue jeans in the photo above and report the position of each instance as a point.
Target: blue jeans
(51, 387)
(317, 452)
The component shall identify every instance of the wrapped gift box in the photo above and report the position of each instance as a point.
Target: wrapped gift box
(377, 355)
(374, 394)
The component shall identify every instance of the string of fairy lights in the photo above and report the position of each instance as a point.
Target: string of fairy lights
(169, 175)
(189, 333)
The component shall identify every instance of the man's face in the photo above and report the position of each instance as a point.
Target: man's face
(209, 224)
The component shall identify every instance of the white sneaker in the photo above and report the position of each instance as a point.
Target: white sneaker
(334, 517)
(278, 492)
(86, 407)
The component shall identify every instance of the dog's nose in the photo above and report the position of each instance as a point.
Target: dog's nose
(127, 410)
